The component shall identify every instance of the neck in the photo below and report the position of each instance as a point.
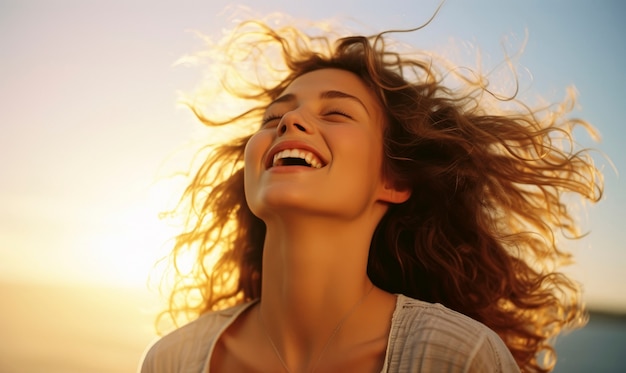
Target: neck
(314, 275)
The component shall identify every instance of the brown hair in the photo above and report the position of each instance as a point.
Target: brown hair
(488, 179)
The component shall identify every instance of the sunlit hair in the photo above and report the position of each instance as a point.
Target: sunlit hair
(492, 180)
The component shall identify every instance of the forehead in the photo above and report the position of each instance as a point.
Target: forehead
(323, 80)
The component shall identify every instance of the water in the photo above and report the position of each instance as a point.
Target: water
(600, 347)
(97, 330)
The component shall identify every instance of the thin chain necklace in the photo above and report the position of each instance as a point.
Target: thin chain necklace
(332, 336)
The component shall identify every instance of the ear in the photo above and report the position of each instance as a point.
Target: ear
(393, 194)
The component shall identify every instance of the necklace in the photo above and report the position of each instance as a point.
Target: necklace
(330, 339)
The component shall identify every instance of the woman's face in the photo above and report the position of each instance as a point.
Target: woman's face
(319, 150)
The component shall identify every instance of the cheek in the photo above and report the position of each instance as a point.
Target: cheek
(255, 150)
(370, 151)
(365, 148)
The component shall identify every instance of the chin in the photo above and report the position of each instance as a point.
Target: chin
(293, 199)
(287, 203)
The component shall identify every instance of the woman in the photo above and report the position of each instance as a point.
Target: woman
(374, 220)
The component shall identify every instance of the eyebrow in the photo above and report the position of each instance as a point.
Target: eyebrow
(326, 95)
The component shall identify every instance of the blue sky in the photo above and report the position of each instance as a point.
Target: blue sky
(89, 117)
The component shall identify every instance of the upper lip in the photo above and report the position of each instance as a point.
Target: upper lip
(291, 144)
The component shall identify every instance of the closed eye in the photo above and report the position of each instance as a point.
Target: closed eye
(338, 112)
(271, 118)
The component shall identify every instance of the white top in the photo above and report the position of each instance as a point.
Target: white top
(424, 337)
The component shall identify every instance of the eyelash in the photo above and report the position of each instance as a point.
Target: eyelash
(270, 118)
(339, 112)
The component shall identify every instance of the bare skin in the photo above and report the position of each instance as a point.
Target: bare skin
(244, 347)
(319, 226)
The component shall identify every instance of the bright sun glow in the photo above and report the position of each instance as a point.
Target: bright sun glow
(125, 252)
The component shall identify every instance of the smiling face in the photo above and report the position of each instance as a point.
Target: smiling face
(319, 149)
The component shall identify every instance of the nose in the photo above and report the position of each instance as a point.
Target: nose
(292, 121)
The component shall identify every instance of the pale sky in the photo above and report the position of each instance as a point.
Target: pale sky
(89, 120)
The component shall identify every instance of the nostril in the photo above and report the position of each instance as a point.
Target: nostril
(282, 128)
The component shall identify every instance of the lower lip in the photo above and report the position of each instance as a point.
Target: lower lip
(290, 169)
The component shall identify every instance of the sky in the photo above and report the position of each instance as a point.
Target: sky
(90, 127)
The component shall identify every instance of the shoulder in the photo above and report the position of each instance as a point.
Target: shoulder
(431, 337)
(436, 319)
(187, 348)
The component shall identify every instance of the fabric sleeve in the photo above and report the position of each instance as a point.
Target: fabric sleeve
(175, 353)
(148, 362)
(491, 355)
(187, 349)
(428, 337)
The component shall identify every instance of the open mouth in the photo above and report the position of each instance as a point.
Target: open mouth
(296, 157)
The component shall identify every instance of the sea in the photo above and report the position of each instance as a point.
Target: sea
(86, 329)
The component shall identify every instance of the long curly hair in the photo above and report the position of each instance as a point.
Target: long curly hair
(492, 183)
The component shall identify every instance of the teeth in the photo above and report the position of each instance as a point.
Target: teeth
(309, 157)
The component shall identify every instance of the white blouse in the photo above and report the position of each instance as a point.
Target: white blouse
(424, 337)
